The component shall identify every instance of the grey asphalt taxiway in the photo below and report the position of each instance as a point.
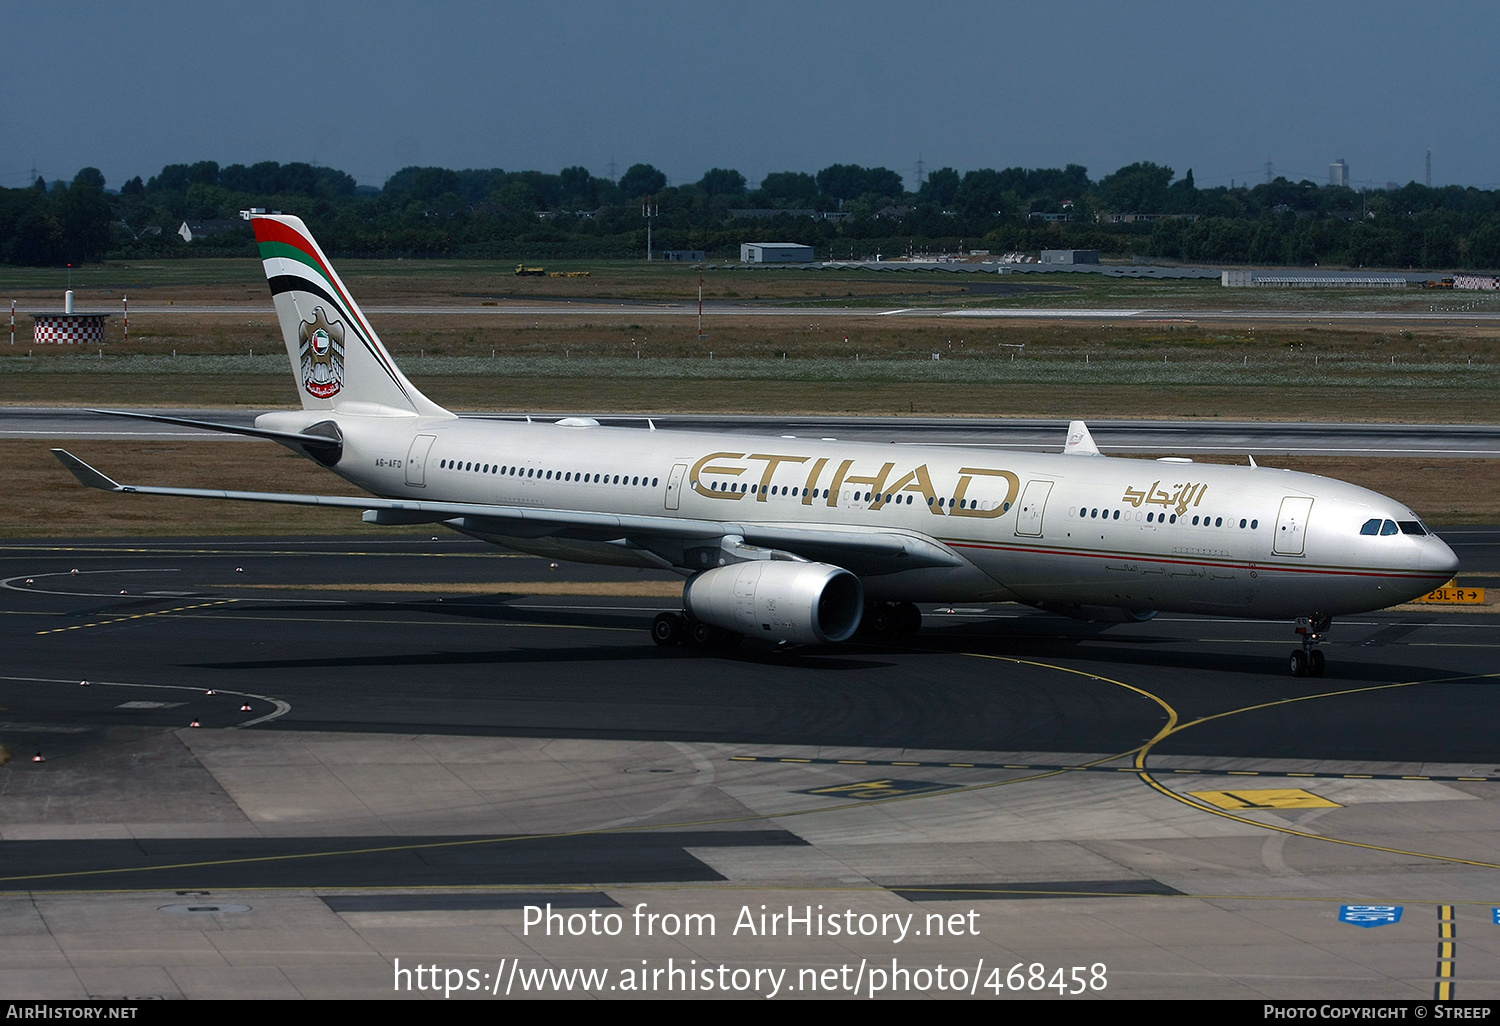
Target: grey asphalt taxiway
(296, 761)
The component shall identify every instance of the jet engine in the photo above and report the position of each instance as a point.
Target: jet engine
(806, 603)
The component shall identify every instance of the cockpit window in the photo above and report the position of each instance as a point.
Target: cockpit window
(1412, 527)
(1388, 527)
(1371, 527)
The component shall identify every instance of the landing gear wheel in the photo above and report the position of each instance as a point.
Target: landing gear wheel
(1312, 629)
(700, 634)
(907, 618)
(668, 629)
(880, 620)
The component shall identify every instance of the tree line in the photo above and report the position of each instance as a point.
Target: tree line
(843, 211)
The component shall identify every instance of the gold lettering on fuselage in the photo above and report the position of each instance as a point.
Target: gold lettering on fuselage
(876, 482)
(701, 467)
(810, 490)
(1183, 496)
(772, 462)
(838, 482)
(1012, 486)
(918, 480)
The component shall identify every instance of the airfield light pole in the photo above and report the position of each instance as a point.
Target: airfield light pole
(648, 211)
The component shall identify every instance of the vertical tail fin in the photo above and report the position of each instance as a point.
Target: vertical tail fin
(336, 356)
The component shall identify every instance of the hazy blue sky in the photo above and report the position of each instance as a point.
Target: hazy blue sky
(763, 86)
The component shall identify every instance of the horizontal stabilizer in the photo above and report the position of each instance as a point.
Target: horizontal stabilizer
(1080, 442)
(325, 448)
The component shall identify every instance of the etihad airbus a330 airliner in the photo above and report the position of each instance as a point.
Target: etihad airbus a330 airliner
(802, 541)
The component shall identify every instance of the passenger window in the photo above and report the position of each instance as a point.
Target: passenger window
(1254, 524)
(1218, 521)
(1174, 519)
(653, 482)
(1116, 516)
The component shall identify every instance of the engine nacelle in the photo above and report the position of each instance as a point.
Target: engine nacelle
(806, 603)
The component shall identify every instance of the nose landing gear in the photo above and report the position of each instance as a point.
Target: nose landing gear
(1308, 660)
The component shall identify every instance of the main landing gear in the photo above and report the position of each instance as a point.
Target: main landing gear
(670, 629)
(1308, 661)
(891, 619)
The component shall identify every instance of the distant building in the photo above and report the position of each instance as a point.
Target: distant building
(191, 230)
(1338, 173)
(689, 256)
(763, 213)
(1134, 218)
(1257, 279)
(1070, 256)
(775, 253)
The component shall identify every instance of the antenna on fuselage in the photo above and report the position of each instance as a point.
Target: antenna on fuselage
(1253, 463)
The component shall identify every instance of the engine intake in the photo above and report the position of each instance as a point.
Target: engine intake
(806, 603)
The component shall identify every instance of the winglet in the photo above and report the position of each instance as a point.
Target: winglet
(1080, 442)
(85, 473)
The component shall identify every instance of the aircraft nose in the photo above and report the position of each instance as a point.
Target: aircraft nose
(1438, 557)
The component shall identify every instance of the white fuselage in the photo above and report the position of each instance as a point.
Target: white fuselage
(1073, 530)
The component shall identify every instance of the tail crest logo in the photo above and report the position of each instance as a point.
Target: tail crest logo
(322, 355)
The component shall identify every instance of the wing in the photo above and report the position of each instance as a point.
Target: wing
(864, 552)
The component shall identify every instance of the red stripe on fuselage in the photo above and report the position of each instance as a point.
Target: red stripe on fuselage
(1258, 566)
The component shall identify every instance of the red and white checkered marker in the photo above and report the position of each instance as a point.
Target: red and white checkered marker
(38, 758)
(83, 683)
(64, 329)
(245, 707)
(195, 723)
